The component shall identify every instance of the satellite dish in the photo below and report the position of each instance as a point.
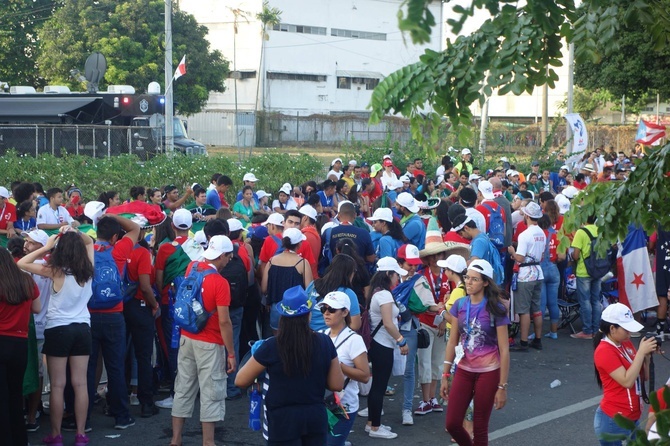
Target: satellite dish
(94, 69)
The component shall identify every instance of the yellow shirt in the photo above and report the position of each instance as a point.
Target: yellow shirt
(583, 243)
(456, 294)
(349, 181)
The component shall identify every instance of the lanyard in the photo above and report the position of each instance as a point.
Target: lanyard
(57, 215)
(467, 315)
(435, 287)
(3, 211)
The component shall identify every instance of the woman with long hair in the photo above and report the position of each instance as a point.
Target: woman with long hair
(18, 297)
(618, 366)
(386, 337)
(553, 212)
(551, 273)
(479, 334)
(244, 209)
(338, 277)
(391, 236)
(361, 281)
(285, 270)
(353, 358)
(67, 335)
(341, 191)
(109, 198)
(300, 364)
(25, 217)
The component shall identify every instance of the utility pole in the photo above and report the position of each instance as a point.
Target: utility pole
(571, 87)
(482, 128)
(169, 104)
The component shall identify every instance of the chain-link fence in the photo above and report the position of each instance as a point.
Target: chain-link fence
(96, 141)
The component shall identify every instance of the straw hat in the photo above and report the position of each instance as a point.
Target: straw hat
(434, 243)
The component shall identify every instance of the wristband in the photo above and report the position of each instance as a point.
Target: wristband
(448, 362)
(400, 339)
(503, 386)
(446, 375)
(231, 356)
(402, 343)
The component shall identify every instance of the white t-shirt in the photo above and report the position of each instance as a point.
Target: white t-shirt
(477, 217)
(44, 285)
(289, 206)
(439, 171)
(387, 179)
(531, 245)
(48, 216)
(378, 299)
(337, 174)
(349, 346)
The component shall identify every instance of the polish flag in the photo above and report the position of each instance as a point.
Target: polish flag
(648, 132)
(181, 68)
(636, 284)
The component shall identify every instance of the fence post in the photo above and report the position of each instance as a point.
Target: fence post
(130, 144)
(37, 139)
(53, 133)
(297, 127)
(109, 142)
(93, 142)
(76, 132)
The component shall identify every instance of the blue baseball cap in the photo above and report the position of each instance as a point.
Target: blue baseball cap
(295, 303)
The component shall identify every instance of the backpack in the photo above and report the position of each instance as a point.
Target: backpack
(236, 275)
(496, 262)
(365, 331)
(106, 286)
(496, 231)
(128, 287)
(189, 311)
(405, 295)
(278, 241)
(596, 266)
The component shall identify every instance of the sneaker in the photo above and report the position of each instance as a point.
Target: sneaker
(424, 408)
(551, 335)
(437, 407)
(536, 344)
(390, 391)
(148, 410)
(531, 336)
(364, 412)
(382, 433)
(32, 427)
(581, 335)
(53, 441)
(124, 423)
(518, 348)
(70, 425)
(165, 388)
(381, 427)
(407, 419)
(133, 400)
(80, 440)
(166, 403)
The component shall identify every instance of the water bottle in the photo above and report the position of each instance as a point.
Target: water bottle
(197, 308)
(555, 383)
(255, 410)
(176, 335)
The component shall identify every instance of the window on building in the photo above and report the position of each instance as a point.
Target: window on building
(648, 109)
(296, 77)
(247, 74)
(344, 83)
(302, 29)
(353, 34)
(370, 84)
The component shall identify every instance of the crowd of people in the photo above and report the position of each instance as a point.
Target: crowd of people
(373, 271)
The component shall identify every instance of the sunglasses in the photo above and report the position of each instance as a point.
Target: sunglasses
(329, 310)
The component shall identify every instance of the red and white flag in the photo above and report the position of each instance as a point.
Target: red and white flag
(648, 132)
(181, 68)
(635, 281)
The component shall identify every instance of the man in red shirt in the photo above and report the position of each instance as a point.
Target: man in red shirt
(202, 355)
(418, 168)
(276, 224)
(308, 228)
(7, 217)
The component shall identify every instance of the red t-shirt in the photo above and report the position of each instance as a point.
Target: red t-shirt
(520, 227)
(553, 244)
(121, 253)
(140, 264)
(164, 252)
(559, 224)
(451, 236)
(215, 293)
(270, 248)
(7, 215)
(442, 283)
(313, 240)
(616, 398)
(14, 319)
(418, 172)
(244, 255)
(487, 214)
(376, 191)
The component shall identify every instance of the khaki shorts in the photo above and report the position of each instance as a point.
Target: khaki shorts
(200, 366)
(431, 359)
(527, 297)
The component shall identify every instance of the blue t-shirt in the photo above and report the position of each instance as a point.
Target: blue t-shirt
(360, 236)
(213, 199)
(295, 403)
(388, 246)
(317, 323)
(481, 247)
(415, 231)
(558, 181)
(26, 226)
(325, 201)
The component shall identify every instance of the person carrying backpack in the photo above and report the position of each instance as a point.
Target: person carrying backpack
(202, 354)
(588, 286)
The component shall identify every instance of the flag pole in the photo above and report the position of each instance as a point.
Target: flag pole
(169, 76)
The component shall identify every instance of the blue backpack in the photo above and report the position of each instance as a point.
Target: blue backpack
(189, 311)
(106, 286)
(496, 231)
(278, 241)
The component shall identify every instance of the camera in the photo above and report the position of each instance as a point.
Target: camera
(659, 338)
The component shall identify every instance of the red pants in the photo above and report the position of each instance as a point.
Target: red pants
(466, 386)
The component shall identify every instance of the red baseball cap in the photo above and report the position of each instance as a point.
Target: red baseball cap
(410, 254)
(388, 162)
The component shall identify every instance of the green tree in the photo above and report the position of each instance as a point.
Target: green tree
(587, 102)
(19, 21)
(131, 35)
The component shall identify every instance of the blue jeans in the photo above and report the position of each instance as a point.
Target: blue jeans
(108, 333)
(236, 315)
(341, 430)
(606, 425)
(409, 379)
(552, 279)
(588, 293)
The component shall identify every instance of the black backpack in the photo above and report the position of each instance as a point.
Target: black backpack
(236, 275)
(596, 266)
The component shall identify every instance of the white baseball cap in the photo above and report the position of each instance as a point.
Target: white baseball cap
(482, 267)
(182, 219)
(93, 210)
(294, 235)
(276, 219)
(473, 177)
(454, 262)
(396, 184)
(621, 315)
(309, 211)
(200, 238)
(504, 159)
(262, 194)
(406, 200)
(4, 193)
(286, 188)
(218, 245)
(486, 189)
(384, 214)
(335, 299)
(37, 235)
(570, 192)
(466, 151)
(404, 179)
(390, 264)
(353, 163)
(336, 160)
(565, 167)
(563, 204)
(250, 177)
(234, 224)
(533, 210)
(439, 180)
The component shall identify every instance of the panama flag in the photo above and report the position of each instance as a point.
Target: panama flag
(181, 68)
(635, 279)
(648, 132)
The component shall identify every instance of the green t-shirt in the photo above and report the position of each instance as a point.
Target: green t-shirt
(582, 242)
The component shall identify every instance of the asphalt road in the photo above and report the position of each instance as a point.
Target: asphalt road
(535, 414)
